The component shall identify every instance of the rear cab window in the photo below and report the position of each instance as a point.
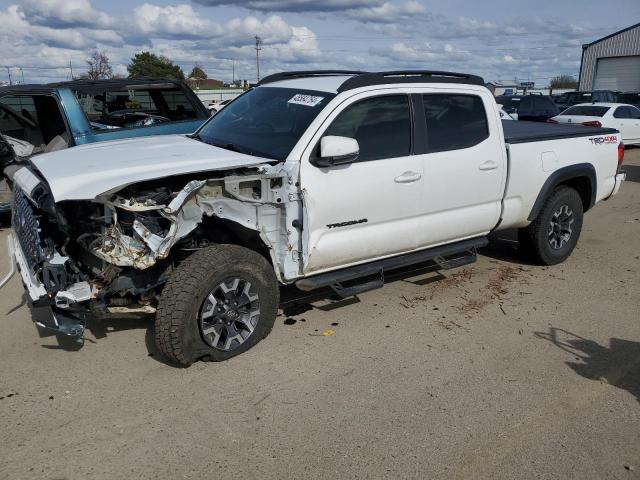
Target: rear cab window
(586, 111)
(454, 121)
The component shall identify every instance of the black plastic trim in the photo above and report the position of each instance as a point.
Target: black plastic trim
(409, 76)
(420, 136)
(359, 271)
(580, 170)
(276, 77)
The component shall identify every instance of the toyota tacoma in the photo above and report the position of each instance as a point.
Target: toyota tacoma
(318, 179)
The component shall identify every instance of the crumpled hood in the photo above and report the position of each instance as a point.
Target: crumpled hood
(84, 172)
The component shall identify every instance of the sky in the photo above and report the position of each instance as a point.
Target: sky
(499, 39)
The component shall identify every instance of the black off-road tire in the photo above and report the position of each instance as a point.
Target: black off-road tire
(535, 240)
(178, 335)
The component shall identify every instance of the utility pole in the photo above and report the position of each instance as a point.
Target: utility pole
(22, 73)
(70, 70)
(258, 48)
(9, 73)
(233, 72)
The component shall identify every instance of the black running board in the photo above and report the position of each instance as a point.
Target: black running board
(437, 255)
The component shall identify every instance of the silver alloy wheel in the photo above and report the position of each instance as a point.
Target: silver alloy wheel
(229, 314)
(560, 227)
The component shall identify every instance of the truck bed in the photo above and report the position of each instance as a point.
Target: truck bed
(522, 132)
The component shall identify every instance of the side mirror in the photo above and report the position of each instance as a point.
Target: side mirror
(336, 150)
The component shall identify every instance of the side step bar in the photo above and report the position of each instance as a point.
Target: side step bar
(436, 255)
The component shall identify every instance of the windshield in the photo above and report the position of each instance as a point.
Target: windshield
(265, 121)
(586, 111)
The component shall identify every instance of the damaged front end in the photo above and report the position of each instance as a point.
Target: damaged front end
(111, 255)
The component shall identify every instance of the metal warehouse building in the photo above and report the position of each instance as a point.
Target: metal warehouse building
(612, 62)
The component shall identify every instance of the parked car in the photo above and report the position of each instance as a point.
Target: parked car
(570, 99)
(630, 98)
(625, 118)
(311, 178)
(533, 108)
(62, 115)
(216, 106)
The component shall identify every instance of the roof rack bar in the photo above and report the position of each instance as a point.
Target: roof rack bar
(276, 77)
(409, 76)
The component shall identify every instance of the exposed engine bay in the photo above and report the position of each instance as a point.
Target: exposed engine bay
(112, 254)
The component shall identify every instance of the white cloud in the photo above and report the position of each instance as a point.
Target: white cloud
(179, 20)
(294, 5)
(387, 12)
(65, 12)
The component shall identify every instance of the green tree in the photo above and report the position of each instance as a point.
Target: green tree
(563, 81)
(198, 73)
(149, 64)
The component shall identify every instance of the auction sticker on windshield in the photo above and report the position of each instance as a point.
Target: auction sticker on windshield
(306, 100)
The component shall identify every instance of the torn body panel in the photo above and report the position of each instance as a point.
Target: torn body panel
(144, 230)
(119, 248)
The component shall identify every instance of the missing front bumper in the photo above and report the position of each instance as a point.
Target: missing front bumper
(66, 313)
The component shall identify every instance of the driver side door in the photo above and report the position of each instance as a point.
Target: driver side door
(367, 209)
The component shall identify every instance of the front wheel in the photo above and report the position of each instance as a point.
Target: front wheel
(553, 235)
(218, 303)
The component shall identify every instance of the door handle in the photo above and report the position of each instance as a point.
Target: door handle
(408, 177)
(488, 165)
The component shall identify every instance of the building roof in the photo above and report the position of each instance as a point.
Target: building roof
(587, 45)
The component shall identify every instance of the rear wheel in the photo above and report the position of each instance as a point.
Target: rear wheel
(218, 303)
(553, 235)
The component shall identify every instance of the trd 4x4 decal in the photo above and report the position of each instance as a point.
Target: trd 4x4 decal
(603, 140)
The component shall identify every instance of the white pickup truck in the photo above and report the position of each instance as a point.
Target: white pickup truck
(323, 178)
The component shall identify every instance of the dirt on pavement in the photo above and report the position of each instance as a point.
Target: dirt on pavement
(499, 370)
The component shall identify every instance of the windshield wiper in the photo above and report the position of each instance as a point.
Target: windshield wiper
(231, 146)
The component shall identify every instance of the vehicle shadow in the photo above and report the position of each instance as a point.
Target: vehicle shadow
(618, 364)
(633, 173)
(504, 246)
(293, 302)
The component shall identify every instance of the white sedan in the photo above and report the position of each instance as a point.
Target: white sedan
(622, 117)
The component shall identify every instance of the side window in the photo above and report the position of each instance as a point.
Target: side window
(20, 118)
(11, 122)
(179, 105)
(381, 125)
(454, 121)
(622, 112)
(635, 113)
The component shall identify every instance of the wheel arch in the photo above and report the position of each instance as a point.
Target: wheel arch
(581, 177)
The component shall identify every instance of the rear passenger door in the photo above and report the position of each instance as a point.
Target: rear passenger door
(464, 167)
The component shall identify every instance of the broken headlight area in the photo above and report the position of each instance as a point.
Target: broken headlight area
(140, 227)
